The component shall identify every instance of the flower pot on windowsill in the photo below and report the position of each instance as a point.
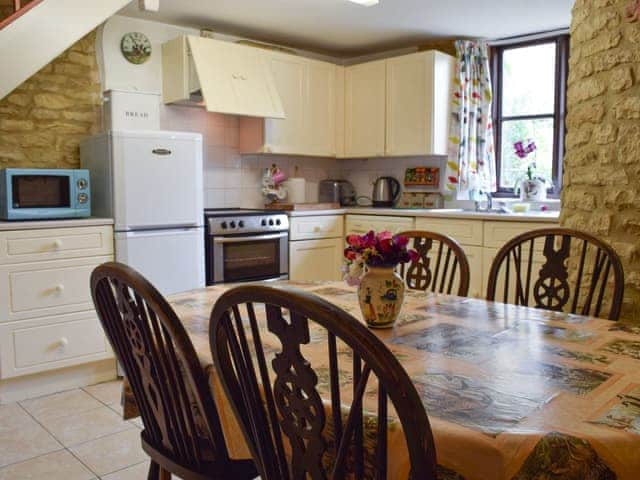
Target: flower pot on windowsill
(381, 293)
(533, 190)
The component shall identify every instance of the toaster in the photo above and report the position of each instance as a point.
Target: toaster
(337, 191)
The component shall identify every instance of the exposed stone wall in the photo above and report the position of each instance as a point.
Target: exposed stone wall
(601, 183)
(44, 119)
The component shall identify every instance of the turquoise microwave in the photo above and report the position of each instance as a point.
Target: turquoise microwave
(40, 194)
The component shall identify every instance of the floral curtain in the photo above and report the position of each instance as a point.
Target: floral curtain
(471, 167)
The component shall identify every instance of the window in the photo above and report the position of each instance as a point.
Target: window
(529, 84)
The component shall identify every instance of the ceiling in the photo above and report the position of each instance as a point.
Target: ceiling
(343, 28)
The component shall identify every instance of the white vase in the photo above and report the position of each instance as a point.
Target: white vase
(533, 190)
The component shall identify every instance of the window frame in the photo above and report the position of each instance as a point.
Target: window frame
(559, 114)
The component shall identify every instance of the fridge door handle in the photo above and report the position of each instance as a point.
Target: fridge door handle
(161, 151)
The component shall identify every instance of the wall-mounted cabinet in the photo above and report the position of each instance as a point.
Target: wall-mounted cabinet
(365, 86)
(399, 106)
(418, 104)
(308, 92)
(295, 105)
(233, 79)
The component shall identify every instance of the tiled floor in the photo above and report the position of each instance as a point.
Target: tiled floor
(73, 435)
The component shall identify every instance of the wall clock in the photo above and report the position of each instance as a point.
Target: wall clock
(135, 47)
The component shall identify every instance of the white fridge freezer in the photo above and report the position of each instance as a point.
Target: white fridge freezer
(150, 183)
(171, 259)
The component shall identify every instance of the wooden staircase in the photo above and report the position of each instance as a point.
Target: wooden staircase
(34, 32)
(17, 9)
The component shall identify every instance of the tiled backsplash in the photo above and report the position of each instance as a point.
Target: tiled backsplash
(232, 180)
(363, 172)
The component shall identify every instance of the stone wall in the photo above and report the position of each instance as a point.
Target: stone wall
(602, 163)
(44, 119)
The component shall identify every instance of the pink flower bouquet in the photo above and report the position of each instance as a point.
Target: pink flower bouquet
(375, 250)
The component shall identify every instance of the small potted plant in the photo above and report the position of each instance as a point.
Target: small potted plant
(531, 185)
(370, 263)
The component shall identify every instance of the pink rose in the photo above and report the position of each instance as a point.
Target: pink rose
(354, 240)
(400, 241)
(384, 236)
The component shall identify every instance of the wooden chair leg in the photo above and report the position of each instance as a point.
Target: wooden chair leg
(164, 475)
(154, 471)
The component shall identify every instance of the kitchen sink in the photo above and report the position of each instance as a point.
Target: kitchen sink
(493, 211)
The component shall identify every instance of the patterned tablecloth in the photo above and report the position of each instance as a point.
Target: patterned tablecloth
(511, 392)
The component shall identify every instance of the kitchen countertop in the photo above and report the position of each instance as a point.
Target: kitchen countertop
(453, 213)
(62, 223)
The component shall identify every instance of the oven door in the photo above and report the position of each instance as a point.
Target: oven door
(249, 257)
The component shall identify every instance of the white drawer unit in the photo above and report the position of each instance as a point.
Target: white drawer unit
(46, 288)
(466, 232)
(47, 317)
(20, 246)
(321, 226)
(361, 224)
(44, 344)
(496, 234)
(316, 260)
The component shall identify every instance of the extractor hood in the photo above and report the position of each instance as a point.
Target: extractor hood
(223, 77)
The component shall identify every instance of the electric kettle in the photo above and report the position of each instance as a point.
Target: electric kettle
(386, 191)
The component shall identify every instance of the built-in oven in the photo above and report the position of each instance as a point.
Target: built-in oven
(243, 246)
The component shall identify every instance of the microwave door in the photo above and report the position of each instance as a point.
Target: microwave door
(157, 182)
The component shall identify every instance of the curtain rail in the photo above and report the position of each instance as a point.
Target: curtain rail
(527, 38)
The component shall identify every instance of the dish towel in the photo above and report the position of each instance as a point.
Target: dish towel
(471, 166)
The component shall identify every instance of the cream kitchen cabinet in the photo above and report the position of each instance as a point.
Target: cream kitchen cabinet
(481, 240)
(365, 89)
(233, 78)
(314, 260)
(47, 319)
(361, 224)
(308, 92)
(418, 103)
(316, 248)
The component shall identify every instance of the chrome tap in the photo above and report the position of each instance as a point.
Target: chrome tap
(489, 200)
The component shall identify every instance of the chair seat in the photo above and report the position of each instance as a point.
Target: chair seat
(211, 470)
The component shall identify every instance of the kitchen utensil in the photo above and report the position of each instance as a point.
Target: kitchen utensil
(337, 191)
(386, 192)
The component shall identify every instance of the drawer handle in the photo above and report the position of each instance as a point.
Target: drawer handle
(57, 244)
(316, 229)
(63, 342)
(59, 288)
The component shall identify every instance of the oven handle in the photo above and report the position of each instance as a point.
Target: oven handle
(271, 236)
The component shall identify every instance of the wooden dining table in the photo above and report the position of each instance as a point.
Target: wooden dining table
(511, 392)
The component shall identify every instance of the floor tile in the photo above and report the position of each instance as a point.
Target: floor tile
(59, 465)
(107, 392)
(13, 417)
(116, 407)
(22, 438)
(111, 453)
(60, 405)
(86, 426)
(137, 472)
